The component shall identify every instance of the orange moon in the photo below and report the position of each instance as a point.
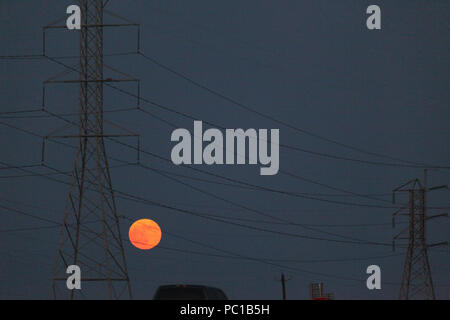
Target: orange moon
(145, 234)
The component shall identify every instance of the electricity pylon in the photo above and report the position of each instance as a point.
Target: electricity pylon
(90, 236)
(416, 278)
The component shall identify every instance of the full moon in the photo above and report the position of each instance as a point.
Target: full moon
(145, 234)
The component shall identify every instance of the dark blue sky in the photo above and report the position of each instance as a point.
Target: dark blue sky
(312, 64)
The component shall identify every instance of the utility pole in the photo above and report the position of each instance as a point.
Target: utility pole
(283, 281)
(91, 236)
(283, 286)
(416, 278)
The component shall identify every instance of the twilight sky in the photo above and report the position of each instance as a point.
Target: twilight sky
(311, 64)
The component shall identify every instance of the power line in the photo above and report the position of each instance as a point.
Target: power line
(142, 200)
(358, 225)
(261, 114)
(19, 167)
(315, 153)
(57, 224)
(111, 86)
(23, 57)
(130, 197)
(264, 188)
(263, 261)
(222, 220)
(233, 185)
(303, 150)
(20, 111)
(28, 214)
(259, 212)
(287, 173)
(283, 192)
(36, 57)
(127, 196)
(230, 254)
(6, 115)
(287, 193)
(200, 253)
(295, 176)
(53, 173)
(256, 259)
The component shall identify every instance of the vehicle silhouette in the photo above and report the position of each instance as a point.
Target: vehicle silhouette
(189, 292)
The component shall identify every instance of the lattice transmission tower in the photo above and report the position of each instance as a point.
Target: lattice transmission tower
(417, 281)
(91, 236)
